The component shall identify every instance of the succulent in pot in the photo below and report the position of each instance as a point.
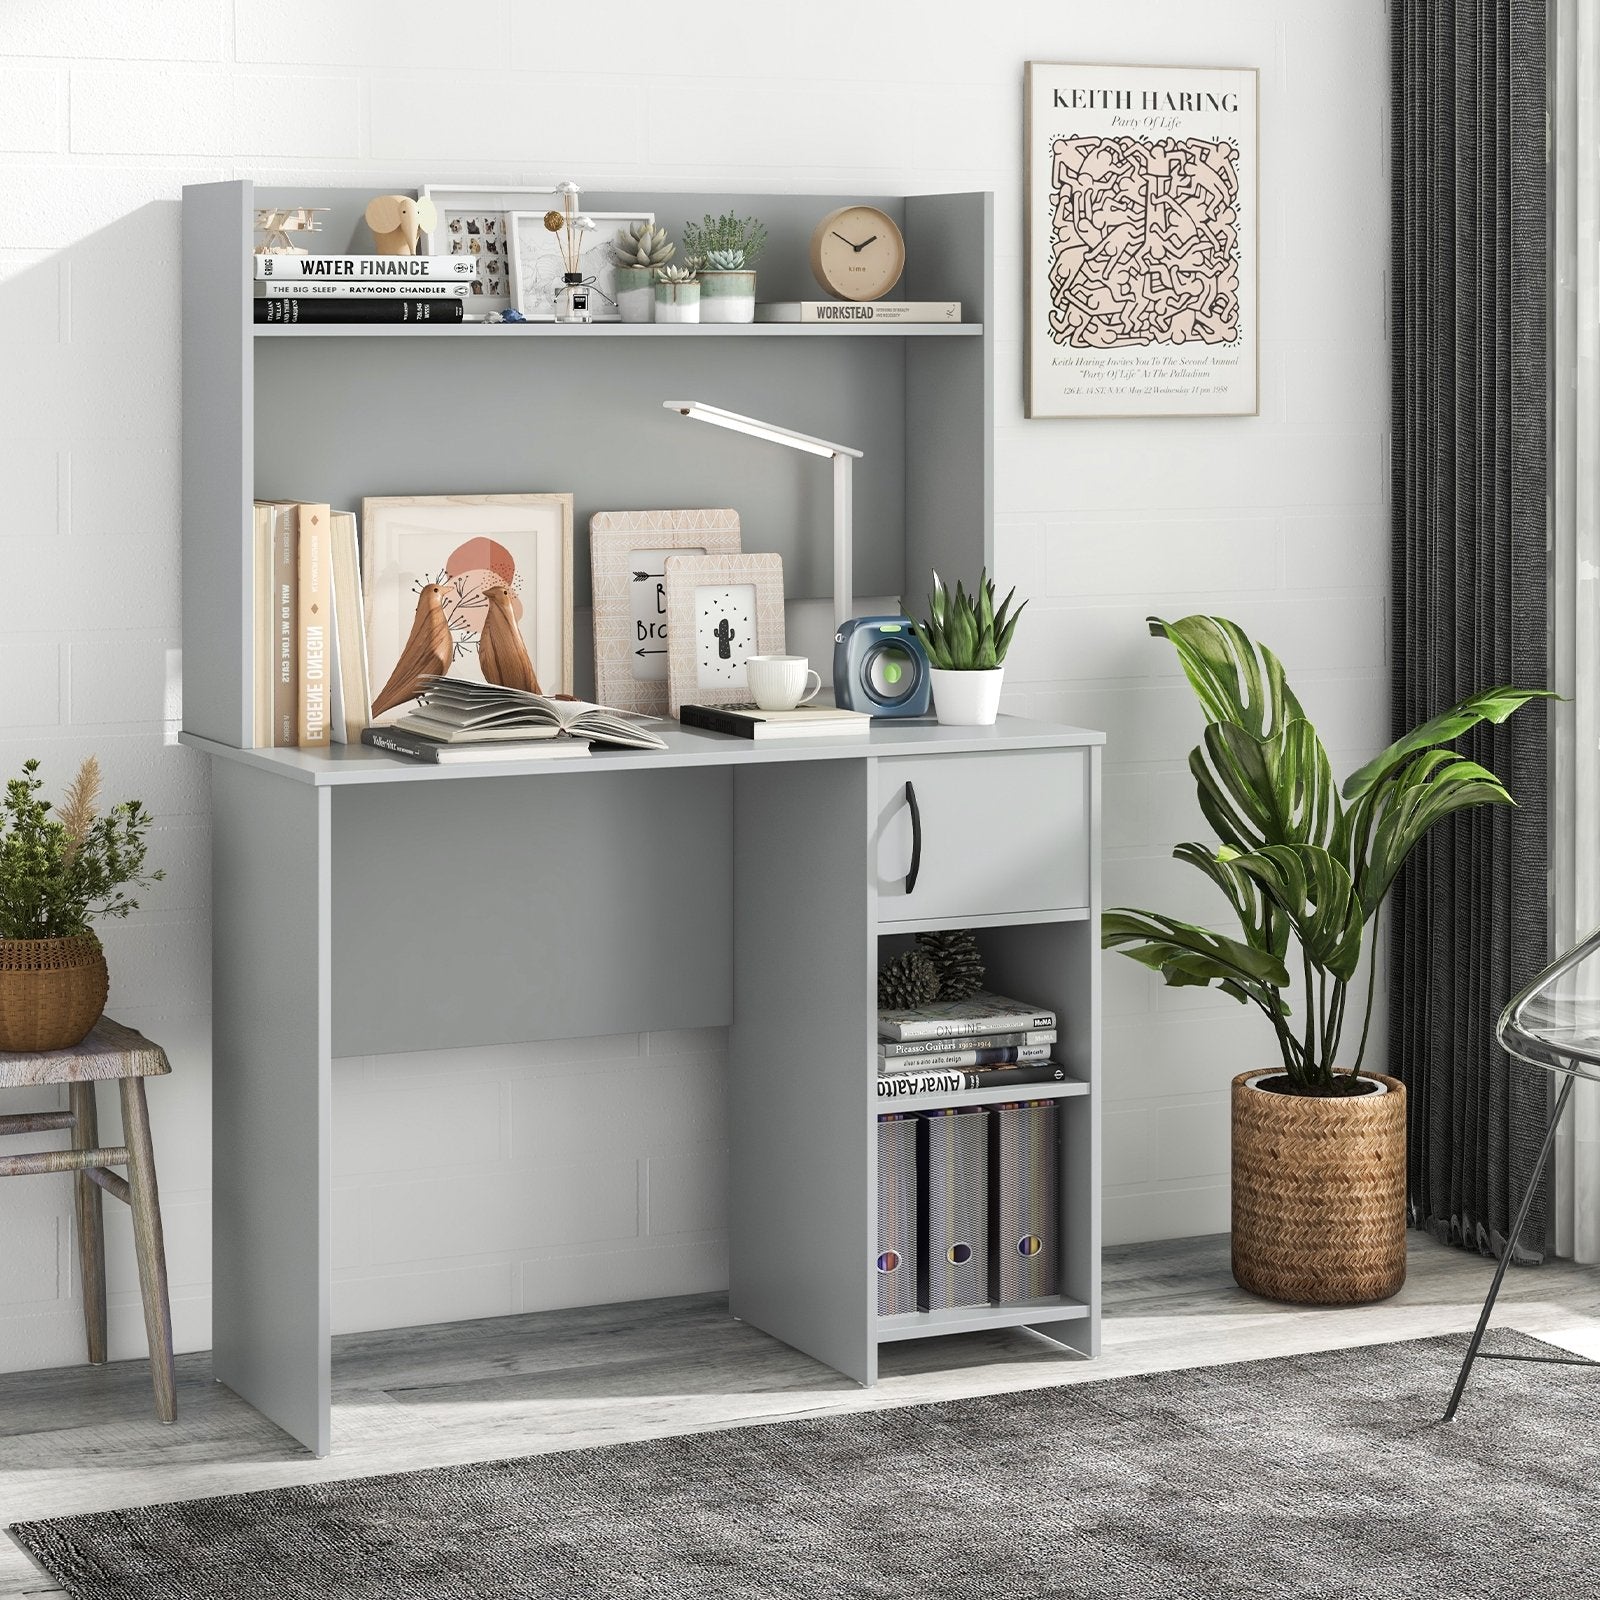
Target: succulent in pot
(60, 869)
(1319, 1160)
(677, 294)
(725, 249)
(966, 638)
(639, 249)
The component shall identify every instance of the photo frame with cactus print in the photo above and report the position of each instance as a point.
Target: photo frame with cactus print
(721, 610)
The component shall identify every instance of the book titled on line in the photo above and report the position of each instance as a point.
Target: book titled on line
(363, 288)
(908, 1049)
(904, 1085)
(459, 710)
(859, 312)
(276, 264)
(984, 1012)
(399, 741)
(749, 722)
(1013, 1056)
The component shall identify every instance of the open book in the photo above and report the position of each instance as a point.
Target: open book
(458, 711)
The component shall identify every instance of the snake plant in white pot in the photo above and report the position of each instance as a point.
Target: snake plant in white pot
(966, 638)
(1318, 1151)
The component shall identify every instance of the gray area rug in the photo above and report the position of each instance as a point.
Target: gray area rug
(1324, 1475)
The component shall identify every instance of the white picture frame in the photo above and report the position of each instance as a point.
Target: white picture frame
(1142, 241)
(467, 543)
(467, 213)
(537, 264)
(628, 551)
(720, 611)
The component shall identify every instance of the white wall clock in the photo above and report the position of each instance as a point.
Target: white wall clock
(721, 610)
(858, 252)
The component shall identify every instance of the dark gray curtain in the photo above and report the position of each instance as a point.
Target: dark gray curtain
(1470, 295)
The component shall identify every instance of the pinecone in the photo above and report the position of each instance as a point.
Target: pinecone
(908, 981)
(954, 954)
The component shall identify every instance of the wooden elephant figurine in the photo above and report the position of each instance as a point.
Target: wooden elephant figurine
(396, 220)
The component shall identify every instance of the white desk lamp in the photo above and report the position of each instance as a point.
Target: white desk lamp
(842, 455)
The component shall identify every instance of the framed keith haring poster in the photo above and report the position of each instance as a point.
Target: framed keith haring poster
(1142, 222)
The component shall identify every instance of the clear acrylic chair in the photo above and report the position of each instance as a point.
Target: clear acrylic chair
(1554, 1024)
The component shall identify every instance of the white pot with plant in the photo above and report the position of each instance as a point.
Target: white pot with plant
(639, 249)
(677, 295)
(725, 249)
(966, 639)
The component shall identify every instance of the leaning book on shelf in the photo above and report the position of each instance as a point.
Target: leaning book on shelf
(983, 1012)
(1011, 1056)
(907, 1085)
(972, 1041)
(458, 710)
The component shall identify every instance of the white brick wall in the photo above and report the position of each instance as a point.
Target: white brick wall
(479, 1182)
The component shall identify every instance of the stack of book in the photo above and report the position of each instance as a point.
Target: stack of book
(308, 288)
(460, 720)
(986, 1041)
(311, 683)
(751, 722)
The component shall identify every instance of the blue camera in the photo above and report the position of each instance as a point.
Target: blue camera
(880, 668)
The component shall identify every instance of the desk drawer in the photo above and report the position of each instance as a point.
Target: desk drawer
(990, 834)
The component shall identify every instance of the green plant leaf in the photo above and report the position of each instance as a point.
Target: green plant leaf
(1262, 930)
(1195, 955)
(1257, 791)
(1314, 892)
(1492, 705)
(1235, 679)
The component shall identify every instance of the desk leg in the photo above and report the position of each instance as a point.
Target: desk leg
(272, 1096)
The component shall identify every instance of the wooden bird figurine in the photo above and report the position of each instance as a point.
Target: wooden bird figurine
(427, 653)
(501, 653)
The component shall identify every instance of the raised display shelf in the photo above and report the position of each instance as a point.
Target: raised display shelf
(973, 1319)
(1007, 1095)
(617, 330)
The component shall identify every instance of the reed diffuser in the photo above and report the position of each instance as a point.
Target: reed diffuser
(569, 226)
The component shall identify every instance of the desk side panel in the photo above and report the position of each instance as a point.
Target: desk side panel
(801, 1212)
(272, 1097)
(544, 906)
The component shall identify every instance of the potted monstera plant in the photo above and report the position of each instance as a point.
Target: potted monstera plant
(1319, 1154)
(60, 869)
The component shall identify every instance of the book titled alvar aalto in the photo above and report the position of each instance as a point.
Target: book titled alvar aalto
(983, 1012)
(907, 1085)
(284, 265)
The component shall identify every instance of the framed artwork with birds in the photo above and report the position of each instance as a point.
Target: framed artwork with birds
(721, 610)
(628, 553)
(475, 586)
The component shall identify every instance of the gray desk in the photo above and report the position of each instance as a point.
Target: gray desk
(359, 898)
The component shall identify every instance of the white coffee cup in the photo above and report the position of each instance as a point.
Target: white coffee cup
(780, 683)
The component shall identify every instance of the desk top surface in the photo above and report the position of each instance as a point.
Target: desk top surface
(686, 747)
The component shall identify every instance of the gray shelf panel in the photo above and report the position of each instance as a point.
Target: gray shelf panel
(973, 1319)
(1000, 919)
(978, 1097)
(686, 747)
(615, 330)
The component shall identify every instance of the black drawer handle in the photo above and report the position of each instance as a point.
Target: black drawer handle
(916, 839)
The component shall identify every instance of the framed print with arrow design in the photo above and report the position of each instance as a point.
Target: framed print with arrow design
(721, 610)
(628, 551)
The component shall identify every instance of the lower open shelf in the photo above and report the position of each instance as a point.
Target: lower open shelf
(973, 1319)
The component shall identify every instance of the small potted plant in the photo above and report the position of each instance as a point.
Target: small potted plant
(677, 295)
(966, 639)
(639, 249)
(1319, 1150)
(725, 249)
(60, 869)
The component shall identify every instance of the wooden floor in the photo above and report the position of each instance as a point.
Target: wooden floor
(82, 1438)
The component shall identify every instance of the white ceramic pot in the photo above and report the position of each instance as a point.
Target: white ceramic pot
(636, 294)
(967, 699)
(728, 296)
(677, 302)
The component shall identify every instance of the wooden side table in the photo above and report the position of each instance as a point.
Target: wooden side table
(110, 1051)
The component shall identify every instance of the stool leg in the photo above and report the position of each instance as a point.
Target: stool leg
(91, 1229)
(148, 1246)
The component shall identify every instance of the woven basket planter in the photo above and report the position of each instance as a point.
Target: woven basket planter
(1319, 1193)
(52, 991)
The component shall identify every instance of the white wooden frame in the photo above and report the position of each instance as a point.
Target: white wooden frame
(390, 596)
(448, 197)
(597, 257)
(687, 574)
(617, 539)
